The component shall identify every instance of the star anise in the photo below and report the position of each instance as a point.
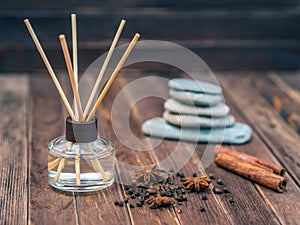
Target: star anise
(149, 175)
(196, 183)
(160, 201)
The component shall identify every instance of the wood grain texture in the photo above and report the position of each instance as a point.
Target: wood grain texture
(14, 99)
(280, 100)
(275, 132)
(152, 107)
(98, 207)
(273, 200)
(243, 191)
(131, 156)
(47, 205)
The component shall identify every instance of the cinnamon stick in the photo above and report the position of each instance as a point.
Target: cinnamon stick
(277, 169)
(251, 171)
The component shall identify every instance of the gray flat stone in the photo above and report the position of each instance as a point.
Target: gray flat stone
(158, 127)
(192, 121)
(194, 86)
(192, 98)
(214, 111)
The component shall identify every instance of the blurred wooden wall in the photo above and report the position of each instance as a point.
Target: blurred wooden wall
(226, 34)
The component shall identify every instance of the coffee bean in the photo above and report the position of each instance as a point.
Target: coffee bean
(130, 191)
(202, 209)
(194, 174)
(179, 203)
(211, 176)
(116, 202)
(204, 197)
(125, 200)
(131, 205)
(126, 187)
(220, 182)
(121, 203)
(217, 191)
(231, 201)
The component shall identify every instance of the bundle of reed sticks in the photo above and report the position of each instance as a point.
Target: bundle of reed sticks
(79, 114)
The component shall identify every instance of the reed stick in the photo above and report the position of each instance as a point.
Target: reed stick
(75, 54)
(74, 46)
(60, 168)
(49, 68)
(113, 76)
(65, 50)
(103, 68)
(77, 165)
(96, 164)
(53, 163)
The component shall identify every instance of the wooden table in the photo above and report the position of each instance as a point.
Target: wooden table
(31, 115)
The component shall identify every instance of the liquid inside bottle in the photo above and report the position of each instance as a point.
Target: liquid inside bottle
(81, 167)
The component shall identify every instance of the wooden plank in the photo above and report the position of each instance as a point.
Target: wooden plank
(216, 56)
(47, 205)
(14, 99)
(208, 25)
(219, 210)
(280, 100)
(98, 207)
(277, 135)
(92, 4)
(137, 215)
(285, 213)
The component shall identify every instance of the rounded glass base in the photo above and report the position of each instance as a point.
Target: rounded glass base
(81, 167)
(96, 186)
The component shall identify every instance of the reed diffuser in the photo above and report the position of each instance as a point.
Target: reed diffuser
(81, 160)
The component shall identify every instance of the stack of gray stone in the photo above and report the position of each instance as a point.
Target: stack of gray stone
(196, 112)
(196, 104)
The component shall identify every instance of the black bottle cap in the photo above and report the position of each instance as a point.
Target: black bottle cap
(81, 132)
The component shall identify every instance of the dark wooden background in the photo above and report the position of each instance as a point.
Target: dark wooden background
(227, 34)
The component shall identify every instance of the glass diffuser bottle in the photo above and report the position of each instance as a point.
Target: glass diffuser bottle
(81, 161)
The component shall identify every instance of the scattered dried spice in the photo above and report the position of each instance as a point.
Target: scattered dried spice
(204, 197)
(231, 201)
(217, 190)
(202, 209)
(160, 201)
(197, 184)
(220, 182)
(211, 176)
(179, 211)
(149, 175)
(225, 190)
(164, 192)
